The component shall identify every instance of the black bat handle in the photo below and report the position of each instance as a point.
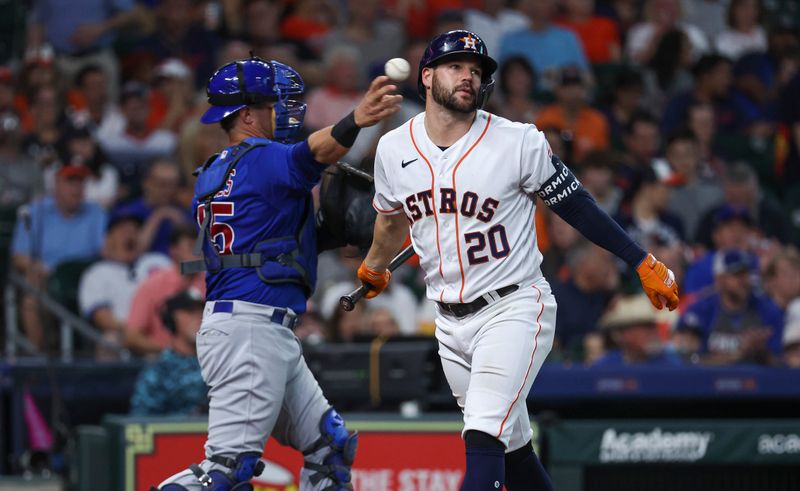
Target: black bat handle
(348, 302)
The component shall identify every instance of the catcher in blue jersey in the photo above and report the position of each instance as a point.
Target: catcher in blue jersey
(258, 246)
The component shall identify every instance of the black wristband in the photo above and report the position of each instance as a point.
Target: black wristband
(346, 130)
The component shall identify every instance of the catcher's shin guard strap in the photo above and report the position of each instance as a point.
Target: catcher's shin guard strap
(332, 455)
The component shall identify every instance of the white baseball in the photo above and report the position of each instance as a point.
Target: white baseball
(397, 69)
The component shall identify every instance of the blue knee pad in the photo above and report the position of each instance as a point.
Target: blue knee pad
(341, 452)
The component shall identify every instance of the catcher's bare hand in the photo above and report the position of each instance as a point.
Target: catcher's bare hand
(378, 103)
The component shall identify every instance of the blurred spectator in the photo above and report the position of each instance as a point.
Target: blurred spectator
(173, 95)
(38, 72)
(449, 20)
(398, 299)
(598, 35)
(791, 345)
(340, 94)
(310, 328)
(493, 21)
(517, 87)
(90, 99)
(630, 325)
(377, 38)
(158, 208)
(174, 385)
(77, 147)
(20, 177)
(708, 15)
(563, 239)
(642, 141)
(594, 278)
(572, 113)
(692, 195)
(594, 348)
(345, 327)
(731, 228)
(7, 91)
(741, 190)
(382, 324)
(626, 100)
(49, 120)
(735, 323)
(597, 176)
(782, 278)
(700, 121)
(145, 331)
(712, 84)
(744, 33)
(789, 133)
(547, 47)
(82, 31)
(308, 19)
(133, 145)
(107, 287)
(667, 72)
(39, 243)
(648, 222)
(261, 23)
(661, 17)
(181, 34)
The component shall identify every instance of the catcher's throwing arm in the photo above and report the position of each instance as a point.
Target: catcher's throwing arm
(348, 302)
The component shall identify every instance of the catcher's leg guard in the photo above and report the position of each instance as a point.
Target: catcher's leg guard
(242, 469)
(328, 462)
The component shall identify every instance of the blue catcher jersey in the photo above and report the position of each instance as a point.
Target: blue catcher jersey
(261, 208)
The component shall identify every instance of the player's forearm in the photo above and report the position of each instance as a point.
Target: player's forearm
(390, 233)
(324, 147)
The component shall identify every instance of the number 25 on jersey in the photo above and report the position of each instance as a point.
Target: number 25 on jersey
(222, 234)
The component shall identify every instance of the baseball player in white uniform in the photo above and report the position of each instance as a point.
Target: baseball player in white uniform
(466, 183)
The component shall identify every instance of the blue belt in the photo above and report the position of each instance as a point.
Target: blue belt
(279, 316)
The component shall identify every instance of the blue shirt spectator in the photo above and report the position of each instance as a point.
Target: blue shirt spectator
(157, 209)
(547, 50)
(174, 383)
(735, 323)
(171, 385)
(63, 226)
(630, 325)
(61, 20)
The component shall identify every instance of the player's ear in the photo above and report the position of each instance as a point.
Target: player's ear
(427, 77)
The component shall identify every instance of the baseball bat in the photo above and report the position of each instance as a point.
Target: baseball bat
(348, 302)
(355, 171)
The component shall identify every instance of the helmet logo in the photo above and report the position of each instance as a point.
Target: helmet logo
(469, 42)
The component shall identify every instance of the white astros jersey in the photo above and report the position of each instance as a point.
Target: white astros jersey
(471, 206)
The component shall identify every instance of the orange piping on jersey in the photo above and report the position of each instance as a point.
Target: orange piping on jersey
(433, 196)
(530, 364)
(458, 237)
(392, 210)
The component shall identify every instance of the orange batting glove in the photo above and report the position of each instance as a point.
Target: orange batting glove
(658, 283)
(375, 279)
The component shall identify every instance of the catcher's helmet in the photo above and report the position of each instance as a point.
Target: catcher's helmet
(457, 42)
(253, 81)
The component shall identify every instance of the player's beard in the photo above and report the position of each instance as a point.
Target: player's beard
(449, 100)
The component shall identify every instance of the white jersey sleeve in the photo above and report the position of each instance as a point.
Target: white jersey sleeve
(384, 201)
(536, 163)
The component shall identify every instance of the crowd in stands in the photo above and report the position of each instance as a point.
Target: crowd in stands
(681, 117)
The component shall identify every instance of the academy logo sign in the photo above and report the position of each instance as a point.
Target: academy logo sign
(654, 446)
(779, 444)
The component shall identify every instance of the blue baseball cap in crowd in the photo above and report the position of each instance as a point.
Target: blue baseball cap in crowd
(732, 261)
(729, 213)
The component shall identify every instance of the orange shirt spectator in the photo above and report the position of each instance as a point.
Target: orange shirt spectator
(599, 37)
(589, 128)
